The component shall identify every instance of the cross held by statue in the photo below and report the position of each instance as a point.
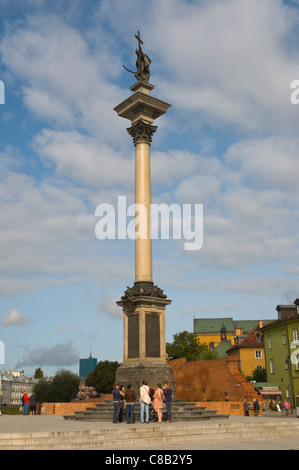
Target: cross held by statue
(137, 36)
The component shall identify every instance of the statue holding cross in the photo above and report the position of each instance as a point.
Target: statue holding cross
(143, 62)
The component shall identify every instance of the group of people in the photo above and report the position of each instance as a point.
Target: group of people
(148, 397)
(286, 407)
(26, 402)
(246, 406)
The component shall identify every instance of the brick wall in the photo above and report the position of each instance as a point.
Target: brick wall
(213, 380)
(70, 408)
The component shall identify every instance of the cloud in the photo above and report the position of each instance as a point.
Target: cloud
(63, 81)
(110, 308)
(14, 318)
(57, 355)
(228, 60)
(84, 159)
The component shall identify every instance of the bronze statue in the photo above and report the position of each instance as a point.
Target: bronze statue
(143, 62)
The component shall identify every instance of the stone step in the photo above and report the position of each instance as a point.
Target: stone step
(150, 434)
(181, 411)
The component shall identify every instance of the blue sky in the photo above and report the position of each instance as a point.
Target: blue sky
(229, 142)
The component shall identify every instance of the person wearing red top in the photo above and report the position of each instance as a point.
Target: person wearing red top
(25, 401)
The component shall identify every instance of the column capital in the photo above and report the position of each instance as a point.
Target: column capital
(142, 132)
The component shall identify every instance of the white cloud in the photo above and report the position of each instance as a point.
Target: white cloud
(14, 318)
(228, 60)
(85, 159)
(109, 307)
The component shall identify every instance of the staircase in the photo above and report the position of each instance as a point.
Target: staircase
(181, 411)
(153, 436)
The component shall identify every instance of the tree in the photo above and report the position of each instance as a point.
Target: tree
(259, 375)
(38, 374)
(42, 391)
(63, 388)
(103, 377)
(186, 345)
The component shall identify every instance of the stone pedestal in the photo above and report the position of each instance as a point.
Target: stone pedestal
(134, 374)
(144, 346)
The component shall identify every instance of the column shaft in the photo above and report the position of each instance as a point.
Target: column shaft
(143, 242)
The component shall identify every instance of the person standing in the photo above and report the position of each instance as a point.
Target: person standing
(158, 402)
(32, 404)
(167, 392)
(122, 403)
(25, 400)
(287, 406)
(246, 407)
(256, 407)
(116, 402)
(130, 397)
(145, 400)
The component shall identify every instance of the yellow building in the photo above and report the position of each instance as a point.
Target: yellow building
(239, 338)
(249, 350)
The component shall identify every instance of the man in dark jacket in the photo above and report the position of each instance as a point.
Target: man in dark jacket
(130, 397)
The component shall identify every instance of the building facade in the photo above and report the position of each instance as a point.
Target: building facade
(220, 333)
(86, 366)
(13, 385)
(250, 350)
(281, 344)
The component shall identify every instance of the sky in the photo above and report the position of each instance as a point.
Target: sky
(229, 141)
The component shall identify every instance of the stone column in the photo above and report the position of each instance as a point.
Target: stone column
(142, 135)
(144, 347)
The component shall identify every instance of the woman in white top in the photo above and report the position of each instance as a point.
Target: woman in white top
(145, 400)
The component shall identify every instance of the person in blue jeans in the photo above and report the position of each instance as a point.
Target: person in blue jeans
(167, 392)
(130, 397)
(25, 401)
(116, 402)
(145, 401)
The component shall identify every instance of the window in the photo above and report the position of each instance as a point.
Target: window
(284, 339)
(296, 335)
(258, 354)
(297, 362)
(271, 363)
(269, 342)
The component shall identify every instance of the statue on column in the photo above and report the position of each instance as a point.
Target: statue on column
(143, 62)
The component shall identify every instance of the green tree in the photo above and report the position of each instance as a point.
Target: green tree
(38, 374)
(63, 388)
(259, 375)
(103, 377)
(42, 391)
(186, 345)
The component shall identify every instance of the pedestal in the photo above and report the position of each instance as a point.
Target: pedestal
(144, 347)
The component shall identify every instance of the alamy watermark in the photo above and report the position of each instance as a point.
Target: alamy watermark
(2, 92)
(295, 94)
(174, 221)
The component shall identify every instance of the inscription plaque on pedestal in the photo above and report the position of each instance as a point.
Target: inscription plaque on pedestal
(133, 335)
(152, 335)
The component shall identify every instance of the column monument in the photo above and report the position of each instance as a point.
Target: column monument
(144, 347)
